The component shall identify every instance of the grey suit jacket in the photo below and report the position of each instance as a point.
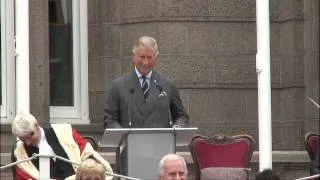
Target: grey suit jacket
(126, 106)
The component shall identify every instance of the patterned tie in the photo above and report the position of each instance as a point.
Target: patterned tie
(145, 87)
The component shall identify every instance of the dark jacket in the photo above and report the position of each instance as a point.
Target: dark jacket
(126, 105)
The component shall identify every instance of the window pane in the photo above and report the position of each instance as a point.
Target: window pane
(61, 50)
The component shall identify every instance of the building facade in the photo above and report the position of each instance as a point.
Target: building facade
(76, 48)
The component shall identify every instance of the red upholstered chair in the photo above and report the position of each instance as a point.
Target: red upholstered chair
(220, 154)
(311, 142)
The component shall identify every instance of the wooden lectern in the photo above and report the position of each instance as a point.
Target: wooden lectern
(139, 150)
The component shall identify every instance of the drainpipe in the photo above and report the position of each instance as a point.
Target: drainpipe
(22, 56)
(264, 84)
(22, 74)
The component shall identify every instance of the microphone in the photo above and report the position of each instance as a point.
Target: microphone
(129, 106)
(131, 91)
(162, 91)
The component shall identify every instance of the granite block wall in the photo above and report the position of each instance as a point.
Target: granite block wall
(208, 47)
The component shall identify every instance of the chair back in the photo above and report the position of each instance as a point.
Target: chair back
(311, 142)
(92, 141)
(221, 151)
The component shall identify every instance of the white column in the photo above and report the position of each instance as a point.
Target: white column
(22, 58)
(264, 84)
(22, 72)
(84, 61)
(44, 164)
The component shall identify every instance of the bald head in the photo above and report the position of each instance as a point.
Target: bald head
(172, 167)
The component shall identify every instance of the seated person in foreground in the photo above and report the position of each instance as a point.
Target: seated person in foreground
(60, 139)
(90, 169)
(173, 167)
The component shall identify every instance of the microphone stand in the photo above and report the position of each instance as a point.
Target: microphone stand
(18, 162)
(35, 156)
(129, 107)
(309, 177)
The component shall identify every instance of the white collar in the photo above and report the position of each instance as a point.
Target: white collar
(42, 135)
(148, 76)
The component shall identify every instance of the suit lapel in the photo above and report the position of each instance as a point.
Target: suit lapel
(134, 89)
(137, 96)
(153, 90)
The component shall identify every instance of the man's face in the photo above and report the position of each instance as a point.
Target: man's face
(31, 138)
(174, 170)
(144, 59)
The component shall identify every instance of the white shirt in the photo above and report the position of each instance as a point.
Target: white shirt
(148, 77)
(44, 147)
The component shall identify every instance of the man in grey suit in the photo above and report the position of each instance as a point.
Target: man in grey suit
(143, 98)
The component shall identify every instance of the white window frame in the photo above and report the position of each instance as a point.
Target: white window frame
(79, 113)
(7, 109)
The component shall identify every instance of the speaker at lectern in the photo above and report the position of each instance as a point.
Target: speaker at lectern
(139, 150)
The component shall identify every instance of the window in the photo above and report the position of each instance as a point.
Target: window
(61, 57)
(68, 61)
(7, 72)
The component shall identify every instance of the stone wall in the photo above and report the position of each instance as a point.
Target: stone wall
(208, 47)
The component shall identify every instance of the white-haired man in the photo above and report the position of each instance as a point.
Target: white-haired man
(60, 139)
(173, 167)
(143, 98)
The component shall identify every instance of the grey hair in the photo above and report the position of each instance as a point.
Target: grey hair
(146, 41)
(23, 123)
(171, 157)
